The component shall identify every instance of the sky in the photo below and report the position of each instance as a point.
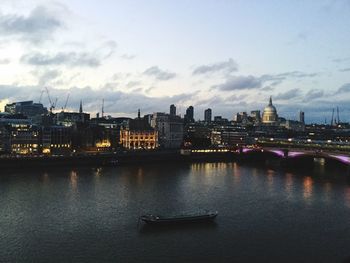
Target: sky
(227, 55)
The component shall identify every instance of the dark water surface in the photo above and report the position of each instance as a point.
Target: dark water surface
(91, 215)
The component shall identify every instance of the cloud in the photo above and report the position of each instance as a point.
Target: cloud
(290, 94)
(239, 83)
(341, 60)
(106, 50)
(132, 84)
(127, 56)
(297, 74)
(46, 77)
(227, 67)
(285, 75)
(159, 74)
(313, 94)
(37, 27)
(344, 69)
(73, 59)
(253, 82)
(267, 88)
(4, 61)
(116, 101)
(343, 89)
(300, 37)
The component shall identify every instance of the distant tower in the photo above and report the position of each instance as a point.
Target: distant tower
(189, 114)
(172, 110)
(138, 114)
(255, 114)
(207, 115)
(103, 108)
(301, 117)
(81, 107)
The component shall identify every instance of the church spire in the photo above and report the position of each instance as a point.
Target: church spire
(270, 102)
(81, 107)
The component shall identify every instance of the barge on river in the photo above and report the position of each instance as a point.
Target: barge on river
(186, 218)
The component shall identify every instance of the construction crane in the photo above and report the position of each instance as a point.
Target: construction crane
(65, 104)
(41, 95)
(52, 105)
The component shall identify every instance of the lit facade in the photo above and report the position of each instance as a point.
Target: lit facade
(138, 140)
(138, 135)
(24, 138)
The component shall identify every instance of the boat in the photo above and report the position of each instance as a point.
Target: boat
(185, 218)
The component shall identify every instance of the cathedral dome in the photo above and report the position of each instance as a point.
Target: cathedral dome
(270, 109)
(270, 114)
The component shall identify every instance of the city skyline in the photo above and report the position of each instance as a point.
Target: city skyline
(150, 55)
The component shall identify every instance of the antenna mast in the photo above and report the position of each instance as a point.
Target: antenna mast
(103, 104)
(338, 114)
(332, 117)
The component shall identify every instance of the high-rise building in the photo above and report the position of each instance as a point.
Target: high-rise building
(255, 114)
(302, 117)
(172, 110)
(189, 114)
(170, 129)
(81, 107)
(207, 115)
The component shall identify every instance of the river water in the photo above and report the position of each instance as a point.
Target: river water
(91, 214)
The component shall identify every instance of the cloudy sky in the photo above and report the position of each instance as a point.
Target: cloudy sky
(223, 54)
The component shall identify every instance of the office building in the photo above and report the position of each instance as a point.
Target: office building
(207, 115)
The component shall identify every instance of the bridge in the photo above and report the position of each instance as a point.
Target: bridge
(298, 153)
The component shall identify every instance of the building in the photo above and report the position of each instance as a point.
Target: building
(172, 110)
(69, 119)
(207, 115)
(19, 135)
(228, 136)
(189, 116)
(56, 140)
(219, 120)
(137, 134)
(197, 135)
(293, 125)
(302, 117)
(241, 117)
(106, 131)
(170, 130)
(269, 115)
(255, 115)
(27, 108)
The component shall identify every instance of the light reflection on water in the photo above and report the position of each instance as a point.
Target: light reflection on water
(347, 197)
(307, 188)
(73, 179)
(289, 185)
(270, 180)
(92, 214)
(327, 191)
(236, 174)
